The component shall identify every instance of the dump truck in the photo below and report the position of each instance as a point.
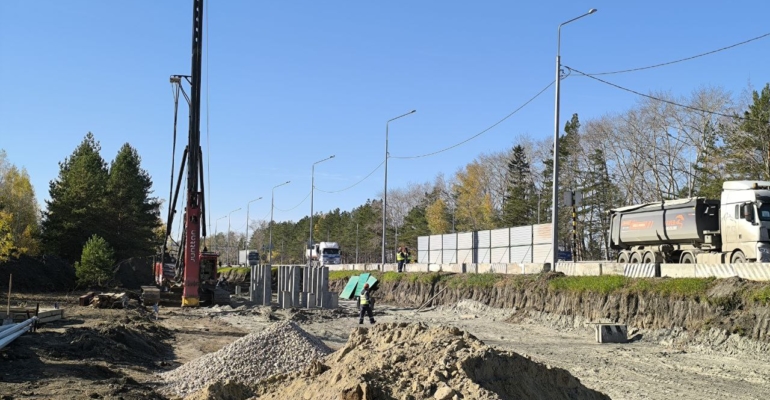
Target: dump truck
(733, 229)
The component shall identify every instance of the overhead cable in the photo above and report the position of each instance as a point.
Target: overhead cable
(303, 200)
(480, 133)
(353, 185)
(682, 59)
(661, 100)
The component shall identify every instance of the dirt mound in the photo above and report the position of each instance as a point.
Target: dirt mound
(132, 273)
(130, 340)
(414, 361)
(37, 274)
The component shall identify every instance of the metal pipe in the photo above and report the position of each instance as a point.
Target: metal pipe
(9, 335)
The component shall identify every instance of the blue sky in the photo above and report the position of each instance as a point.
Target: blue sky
(293, 82)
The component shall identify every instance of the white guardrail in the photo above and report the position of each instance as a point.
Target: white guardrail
(749, 271)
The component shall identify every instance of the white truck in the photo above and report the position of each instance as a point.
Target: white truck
(248, 257)
(324, 253)
(697, 230)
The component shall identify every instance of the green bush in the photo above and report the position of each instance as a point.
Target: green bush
(95, 266)
(761, 295)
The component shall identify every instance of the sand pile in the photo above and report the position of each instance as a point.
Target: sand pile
(414, 361)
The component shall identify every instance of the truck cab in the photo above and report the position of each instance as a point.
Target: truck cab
(745, 221)
(325, 253)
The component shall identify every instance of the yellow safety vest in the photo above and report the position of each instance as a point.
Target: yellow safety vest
(364, 301)
(400, 256)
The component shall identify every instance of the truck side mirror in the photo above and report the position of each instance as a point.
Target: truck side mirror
(748, 212)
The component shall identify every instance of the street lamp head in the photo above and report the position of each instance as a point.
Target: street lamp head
(331, 156)
(593, 10)
(412, 112)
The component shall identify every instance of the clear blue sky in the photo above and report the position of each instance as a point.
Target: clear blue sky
(292, 82)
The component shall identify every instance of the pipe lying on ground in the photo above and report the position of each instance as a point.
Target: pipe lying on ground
(9, 335)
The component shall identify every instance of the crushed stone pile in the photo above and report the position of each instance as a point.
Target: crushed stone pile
(282, 347)
(414, 361)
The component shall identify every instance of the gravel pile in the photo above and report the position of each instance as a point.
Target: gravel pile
(282, 347)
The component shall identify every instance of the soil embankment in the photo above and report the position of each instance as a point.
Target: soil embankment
(731, 306)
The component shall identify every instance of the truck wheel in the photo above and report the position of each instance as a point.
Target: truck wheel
(738, 258)
(636, 258)
(649, 258)
(687, 258)
(623, 258)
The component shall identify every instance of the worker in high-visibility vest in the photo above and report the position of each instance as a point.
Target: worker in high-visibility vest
(366, 305)
(400, 257)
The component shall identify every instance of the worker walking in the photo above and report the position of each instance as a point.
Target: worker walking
(366, 305)
(400, 257)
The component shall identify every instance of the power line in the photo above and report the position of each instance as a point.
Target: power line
(682, 59)
(659, 99)
(353, 185)
(300, 203)
(480, 133)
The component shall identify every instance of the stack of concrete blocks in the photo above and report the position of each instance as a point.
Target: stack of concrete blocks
(315, 288)
(289, 294)
(260, 291)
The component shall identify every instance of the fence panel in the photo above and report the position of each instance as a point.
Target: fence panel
(521, 236)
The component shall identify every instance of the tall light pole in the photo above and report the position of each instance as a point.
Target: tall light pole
(272, 206)
(385, 191)
(246, 247)
(229, 249)
(555, 199)
(312, 189)
(216, 225)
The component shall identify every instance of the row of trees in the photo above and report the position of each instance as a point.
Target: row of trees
(662, 148)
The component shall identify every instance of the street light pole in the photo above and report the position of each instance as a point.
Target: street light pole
(555, 198)
(385, 191)
(312, 189)
(216, 226)
(246, 246)
(272, 206)
(229, 249)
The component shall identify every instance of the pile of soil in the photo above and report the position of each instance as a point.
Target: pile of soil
(131, 340)
(37, 274)
(414, 361)
(132, 273)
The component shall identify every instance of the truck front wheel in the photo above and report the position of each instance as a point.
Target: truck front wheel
(687, 258)
(738, 258)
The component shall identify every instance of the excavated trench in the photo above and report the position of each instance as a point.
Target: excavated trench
(726, 307)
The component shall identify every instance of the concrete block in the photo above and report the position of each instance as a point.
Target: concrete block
(416, 267)
(754, 271)
(715, 270)
(579, 268)
(284, 299)
(454, 268)
(514, 269)
(611, 268)
(482, 268)
(390, 267)
(302, 300)
(677, 270)
(641, 270)
(471, 268)
(267, 291)
(310, 300)
(499, 268)
(337, 267)
(334, 300)
(533, 268)
(359, 267)
(611, 333)
(434, 267)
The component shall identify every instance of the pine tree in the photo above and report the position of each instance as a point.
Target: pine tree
(133, 214)
(748, 148)
(518, 208)
(95, 266)
(76, 209)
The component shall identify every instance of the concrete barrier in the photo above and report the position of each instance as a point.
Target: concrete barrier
(498, 268)
(389, 268)
(641, 270)
(372, 267)
(454, 268)
(753, 271)
(579, 268)
(514, 269)
(715, 270)
(534, 268)
(611, 333)
(434, 267)
(612, 268)
(483, 268)
(677, 270)
(471, 268)
(416, 267)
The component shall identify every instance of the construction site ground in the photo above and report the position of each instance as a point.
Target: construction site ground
(119, 353)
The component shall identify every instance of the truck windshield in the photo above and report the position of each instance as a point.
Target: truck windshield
(337, 251)
(764, 211)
